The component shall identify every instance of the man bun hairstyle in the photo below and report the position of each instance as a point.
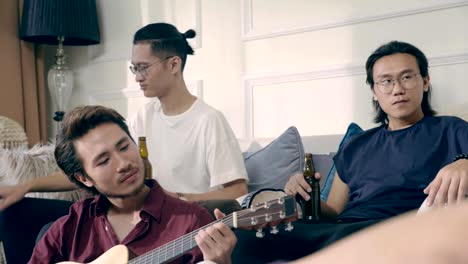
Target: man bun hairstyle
(165, 40)
(189, 34)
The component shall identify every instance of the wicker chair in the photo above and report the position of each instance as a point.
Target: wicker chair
(12, 135)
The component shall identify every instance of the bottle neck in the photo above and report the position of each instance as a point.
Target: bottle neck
(143, 149)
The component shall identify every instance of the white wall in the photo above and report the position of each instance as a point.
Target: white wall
(269, 64)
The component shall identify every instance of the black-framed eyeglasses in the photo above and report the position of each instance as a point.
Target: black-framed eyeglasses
(407, 81)
(143, 70)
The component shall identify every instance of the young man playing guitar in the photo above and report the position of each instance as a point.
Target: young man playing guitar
(95, 150)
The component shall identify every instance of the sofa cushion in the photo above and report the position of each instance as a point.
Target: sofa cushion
(352, 130)
(271, 166)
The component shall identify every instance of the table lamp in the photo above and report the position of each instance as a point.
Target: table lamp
(60, 22)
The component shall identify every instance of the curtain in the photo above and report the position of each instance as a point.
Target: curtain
(22, 84)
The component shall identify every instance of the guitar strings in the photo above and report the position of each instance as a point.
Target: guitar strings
(184, 243)
(181, 243)
(177, 244)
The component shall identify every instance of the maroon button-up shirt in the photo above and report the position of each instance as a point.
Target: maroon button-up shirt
(85, 233)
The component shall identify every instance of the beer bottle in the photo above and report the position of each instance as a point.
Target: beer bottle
(311, 208)
(144, 156)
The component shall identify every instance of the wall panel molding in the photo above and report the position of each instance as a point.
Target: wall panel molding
(146, 18)
(250, 82)
(196, 23)
(97, 97)
(249, 34)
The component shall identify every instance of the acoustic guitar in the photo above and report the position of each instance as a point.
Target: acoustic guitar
(269, 213)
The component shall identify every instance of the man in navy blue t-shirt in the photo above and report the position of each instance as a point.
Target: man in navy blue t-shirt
(384, 171)
(390, 169)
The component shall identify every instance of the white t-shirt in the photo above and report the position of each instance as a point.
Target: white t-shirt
(193, 152)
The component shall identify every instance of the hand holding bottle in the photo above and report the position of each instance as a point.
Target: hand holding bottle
(298, 185)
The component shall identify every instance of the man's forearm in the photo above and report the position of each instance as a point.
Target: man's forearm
(327, 210)
(408, 237)
(55, 182)
(231, 190)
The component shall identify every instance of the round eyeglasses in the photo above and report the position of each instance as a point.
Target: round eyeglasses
(407, 81)
(144, 69)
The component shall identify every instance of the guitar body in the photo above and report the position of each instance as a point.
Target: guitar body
(117, 255)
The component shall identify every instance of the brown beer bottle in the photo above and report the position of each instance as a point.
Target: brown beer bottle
(311, 208)
(144, 156)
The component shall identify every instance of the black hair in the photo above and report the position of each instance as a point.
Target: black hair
(391, 48)
(74, 126)
(166, 40)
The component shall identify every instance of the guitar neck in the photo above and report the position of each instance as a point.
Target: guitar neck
(178, 247)
(275, 210)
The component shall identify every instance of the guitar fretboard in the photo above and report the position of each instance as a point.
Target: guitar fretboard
(263, 213)
(176, 248)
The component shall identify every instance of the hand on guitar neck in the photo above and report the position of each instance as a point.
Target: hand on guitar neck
(216, 242)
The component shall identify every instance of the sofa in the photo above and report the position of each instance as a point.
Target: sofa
(21, 224)
(269, 164)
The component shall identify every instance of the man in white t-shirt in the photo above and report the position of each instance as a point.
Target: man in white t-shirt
(192, 148)
(194, 152)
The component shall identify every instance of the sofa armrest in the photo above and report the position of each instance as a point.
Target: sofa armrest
(20, 224)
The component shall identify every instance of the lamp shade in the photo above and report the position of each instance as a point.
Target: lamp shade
(44, 20)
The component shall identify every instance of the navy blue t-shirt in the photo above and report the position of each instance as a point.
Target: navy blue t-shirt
(387, 171)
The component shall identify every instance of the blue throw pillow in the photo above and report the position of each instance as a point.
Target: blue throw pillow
(352, 130)
(272, 166)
